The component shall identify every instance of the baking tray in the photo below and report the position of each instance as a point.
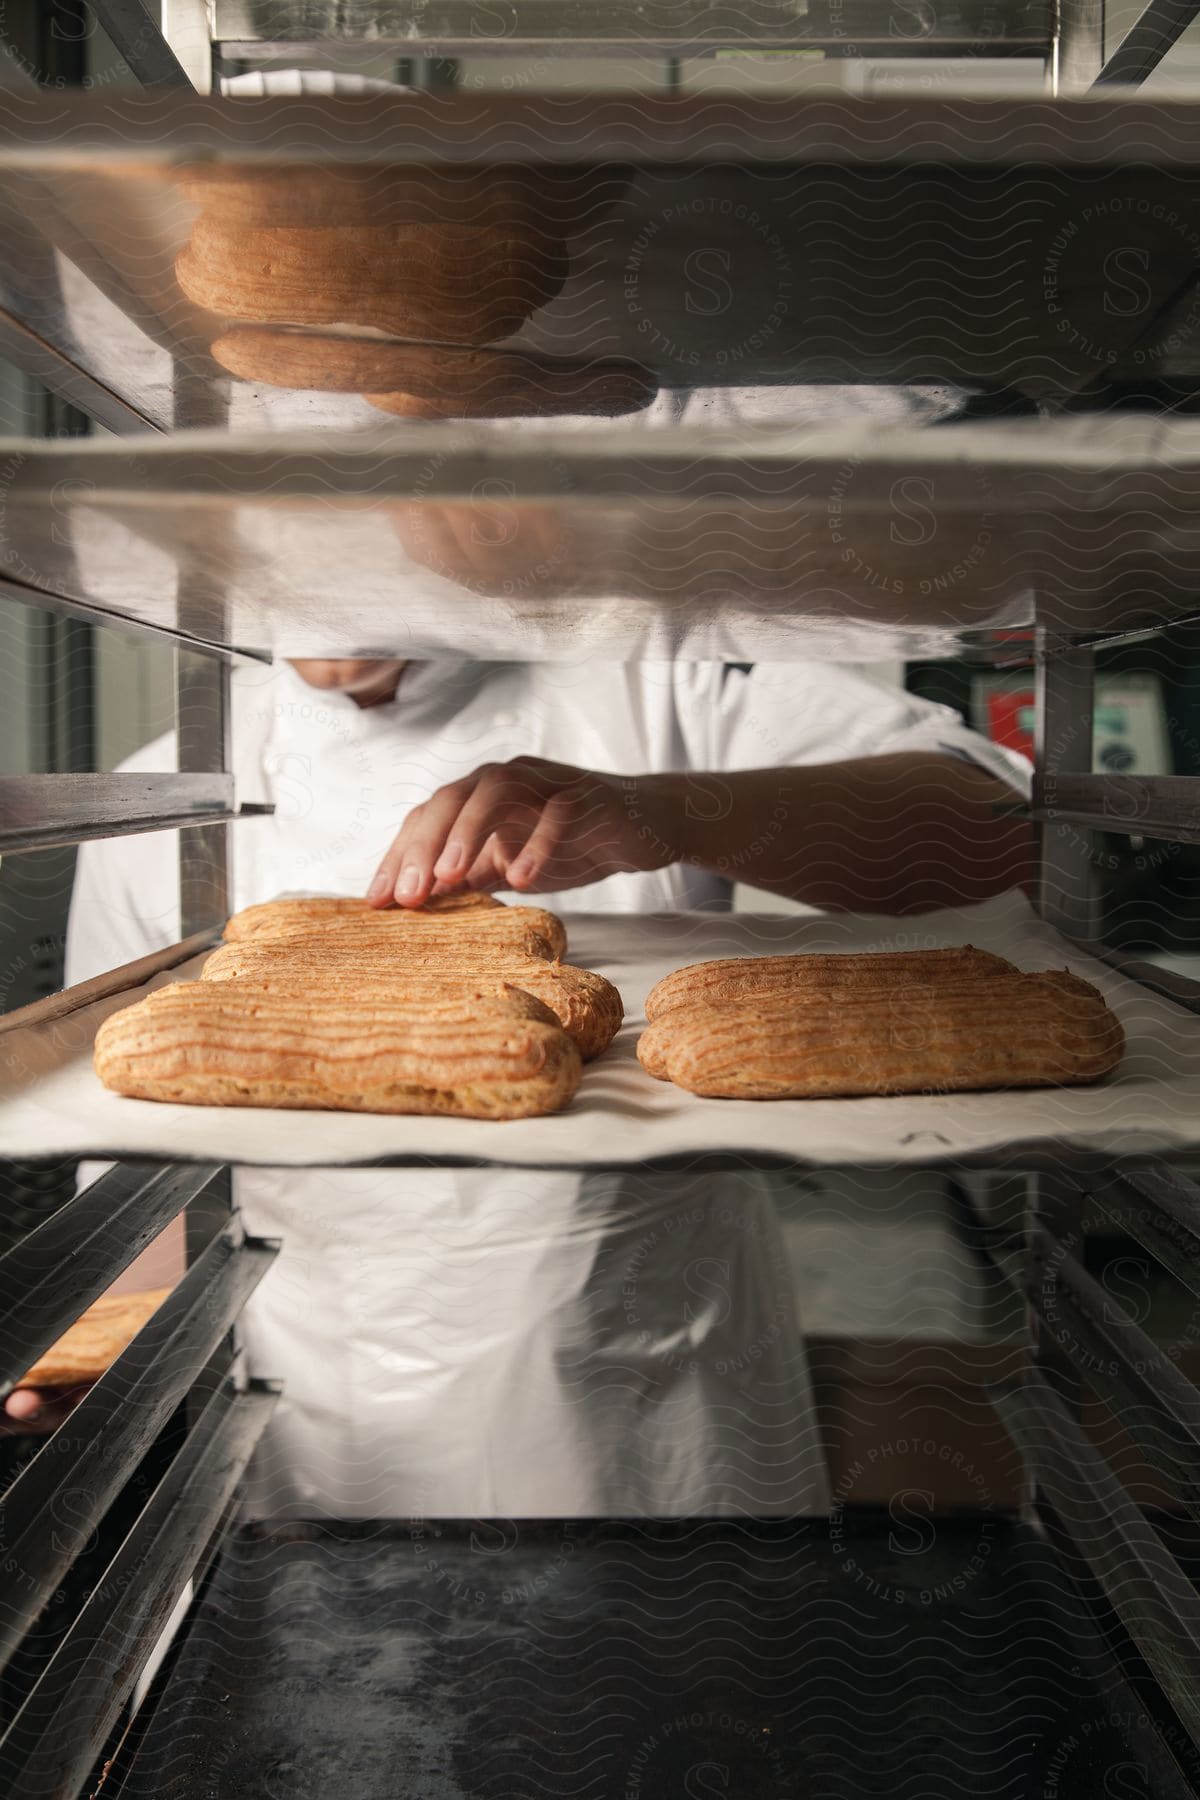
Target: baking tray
(52, 1103)
(758, 542)
(998, 244)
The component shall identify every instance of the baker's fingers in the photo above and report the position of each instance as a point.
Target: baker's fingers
(504, 804)
(38, 1412)
(555, 854)
(406, 871)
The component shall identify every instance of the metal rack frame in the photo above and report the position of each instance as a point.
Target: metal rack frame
(1076, 1329)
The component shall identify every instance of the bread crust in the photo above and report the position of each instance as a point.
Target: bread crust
(461, 284)
(322, 909)
(1044, 1030)
(586, 1005)
(218, 1046)
(471, 931)
(95, 1341)
(434, 381)
(745, 978)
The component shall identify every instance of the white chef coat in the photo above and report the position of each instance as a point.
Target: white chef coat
(508, 1342)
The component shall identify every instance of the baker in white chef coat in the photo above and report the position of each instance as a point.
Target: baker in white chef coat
(507, 1342)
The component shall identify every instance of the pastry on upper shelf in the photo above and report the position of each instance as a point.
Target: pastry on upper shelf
(510, 930)
(94, 1342)
(221, 1044)
(464, 284)
(1001, 1031)
(564, 200)
(434, 381)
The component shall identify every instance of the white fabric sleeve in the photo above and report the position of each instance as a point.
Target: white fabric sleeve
(795, 713)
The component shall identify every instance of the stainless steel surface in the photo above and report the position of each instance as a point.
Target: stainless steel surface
(1147, 41)
(1006, 282)
(37, 811)
(24, 348)
(1160, 1207)
(1157, 806)
(99, 987)
(204, 733)
(1157, 1405)
(681, 27)
(1143, 1583)
(853, 543)
(55, 1273)
(1063, 740)
(1079, 45)
(56, 1736)
(129, 25)
(15, 590)
(187, 26)
(51, 1509)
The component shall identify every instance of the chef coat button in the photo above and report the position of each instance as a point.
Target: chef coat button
(504, 720)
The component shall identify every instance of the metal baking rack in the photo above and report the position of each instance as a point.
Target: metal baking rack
(174, 1406)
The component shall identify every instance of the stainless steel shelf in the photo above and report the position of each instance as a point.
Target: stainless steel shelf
(962, 241)
(554, 544)
(633, 27)
(38, 812)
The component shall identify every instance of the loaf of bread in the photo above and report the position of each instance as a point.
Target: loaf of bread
(266, 919)
(464, 284)
(433, 381)
(999, 1032)
(586, 1005)
(745, 978)
(95, 1340)
(210, 1044)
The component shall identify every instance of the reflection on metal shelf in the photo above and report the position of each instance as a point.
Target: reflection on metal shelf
(1157, 806)
(54, 1273)
(739, 543)
(134, 30)
(637, 27)
(1005, 285)
(55, 1737)
(50, 1510)
(1147, 41)
(1145, 1586)
(39, 811)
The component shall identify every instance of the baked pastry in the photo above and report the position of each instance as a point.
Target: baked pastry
(94, 1342)
(322, 909)
(516, 930)
(433, 381)
(308, 194)
(424, 995)
(587, 1006)
(211, 1044)
(464, 284)
(744, 978)
(999, 1032)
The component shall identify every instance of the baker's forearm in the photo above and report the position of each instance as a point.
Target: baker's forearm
(892, 834)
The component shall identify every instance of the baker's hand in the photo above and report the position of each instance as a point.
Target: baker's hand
(36, 1412)
(530, 825)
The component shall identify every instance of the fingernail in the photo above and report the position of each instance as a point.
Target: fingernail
(410, 882)
(381, 884)
(451, 859)
(520, 870)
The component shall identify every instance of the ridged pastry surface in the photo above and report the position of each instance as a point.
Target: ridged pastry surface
(271, 915)
(1044, 1030)
(734, 978)
(520, 930)
(216, 1046)
(586, 1005)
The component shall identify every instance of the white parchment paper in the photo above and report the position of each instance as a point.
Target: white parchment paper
(51, 1103)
